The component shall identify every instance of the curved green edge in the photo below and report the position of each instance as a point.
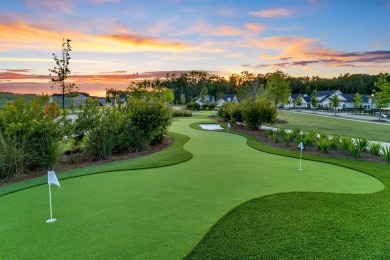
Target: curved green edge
(174, 154)
(285, 234)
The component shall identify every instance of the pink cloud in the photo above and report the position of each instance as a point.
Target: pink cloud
(271, 13)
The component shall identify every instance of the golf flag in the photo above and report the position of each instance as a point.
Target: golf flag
(52, 178)
(300, 146)
(229, 125)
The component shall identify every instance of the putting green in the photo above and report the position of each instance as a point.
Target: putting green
(159, 213)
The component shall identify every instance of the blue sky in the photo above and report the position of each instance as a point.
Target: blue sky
(113, 39)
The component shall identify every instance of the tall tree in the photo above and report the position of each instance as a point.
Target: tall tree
(277, 88)
(382, 98)
(61, 72)
(357, 101)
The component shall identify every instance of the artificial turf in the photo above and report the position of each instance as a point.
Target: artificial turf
(160, 213)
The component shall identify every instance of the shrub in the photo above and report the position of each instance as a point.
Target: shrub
(193, 106)
(334, 141)
(386, 153)
(323, 144)
(255, 113)
(181, 113)
(295, 132)
(268, 133)
(345, 143)
(310, 138)
(358, 146)
(288, 137)
(13, 156)
(33, 130)
(375, 148)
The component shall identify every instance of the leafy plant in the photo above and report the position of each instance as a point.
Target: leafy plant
(295, 132)
(375, 148)
(288, 137)
(358, 146)
(335, 141)
(255, 113)
(310, 138)
(323, 144)
(386, 153)
(13, 156)
(345, 143)
(268, 133)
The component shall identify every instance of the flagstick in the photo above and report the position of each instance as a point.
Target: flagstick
(51, 219)
(300, 162)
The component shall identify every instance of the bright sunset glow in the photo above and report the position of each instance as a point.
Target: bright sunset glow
(115, 42)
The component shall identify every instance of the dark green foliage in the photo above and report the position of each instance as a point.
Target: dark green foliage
(256, 113)
(137, 124)
(31, 131)
(193, 106)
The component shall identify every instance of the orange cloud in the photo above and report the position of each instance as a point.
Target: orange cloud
(255, 27)
(23, 35)
(271, 13)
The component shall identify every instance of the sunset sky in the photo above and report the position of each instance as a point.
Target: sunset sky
(112, 40)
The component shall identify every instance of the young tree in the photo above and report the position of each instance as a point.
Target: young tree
(204, 96)
(298, 101)
(61, 72)
(357, 101)
(277, 89)
(334, 101)
(382, 98)
(313, 100)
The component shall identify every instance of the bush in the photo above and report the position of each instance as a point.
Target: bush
(334, 141)
(181, 113)
(323, 144)
(310, 138)
(256, 113)
(230, 112)
(192, 106)
(33, 130)
(346, 142)
(358, 146)
(375, 148)
(386, 153)
(13, 156)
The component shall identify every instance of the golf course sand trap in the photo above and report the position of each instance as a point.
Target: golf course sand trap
(211, 127)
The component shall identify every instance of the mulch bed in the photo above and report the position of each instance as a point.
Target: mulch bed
(66, 163)
(334, 153)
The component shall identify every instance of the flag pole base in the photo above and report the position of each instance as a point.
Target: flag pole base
(300, 169)
(50, 220)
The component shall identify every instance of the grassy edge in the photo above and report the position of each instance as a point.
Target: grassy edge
(174, 154)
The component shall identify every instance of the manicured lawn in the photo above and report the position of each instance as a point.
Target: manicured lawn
(332, 125)
(162, 213)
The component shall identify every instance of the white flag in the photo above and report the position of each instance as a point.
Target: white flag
(229, 125)
(52, 178)
(300, 146)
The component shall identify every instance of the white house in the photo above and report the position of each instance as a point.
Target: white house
(227, 98)
(292, 104)
(206, 100)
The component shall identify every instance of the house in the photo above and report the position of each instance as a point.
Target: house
(205, 100)
(292, 101)
(347, 101)
(227, 98)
